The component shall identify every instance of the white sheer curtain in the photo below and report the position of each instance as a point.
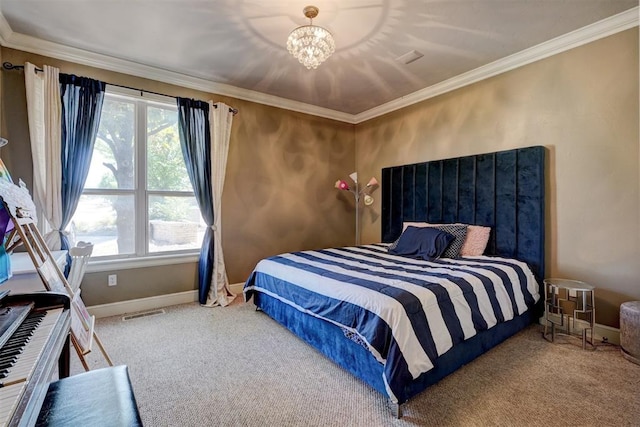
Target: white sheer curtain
(220, 121)
(44, 114)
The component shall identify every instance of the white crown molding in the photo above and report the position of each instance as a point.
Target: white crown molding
(606, 27)
(13, 40)
(5, 30)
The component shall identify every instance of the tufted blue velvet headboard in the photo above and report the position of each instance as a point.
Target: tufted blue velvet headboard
(503, 190)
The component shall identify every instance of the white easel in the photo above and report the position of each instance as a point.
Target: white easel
(26, 233)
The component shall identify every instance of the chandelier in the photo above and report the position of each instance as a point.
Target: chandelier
(311, 44)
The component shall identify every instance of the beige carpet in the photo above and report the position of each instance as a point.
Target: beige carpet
(233, 366)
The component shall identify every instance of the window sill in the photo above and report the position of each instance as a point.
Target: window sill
(96, 266)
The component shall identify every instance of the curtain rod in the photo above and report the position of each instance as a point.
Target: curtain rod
(9, 66)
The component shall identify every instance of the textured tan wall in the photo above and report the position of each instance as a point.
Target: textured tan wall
(583, 106)
(278, 194)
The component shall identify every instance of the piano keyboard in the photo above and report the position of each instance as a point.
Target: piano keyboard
(19, 356)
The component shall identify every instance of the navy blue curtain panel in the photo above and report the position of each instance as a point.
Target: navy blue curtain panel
(195, 141)
(82, 100)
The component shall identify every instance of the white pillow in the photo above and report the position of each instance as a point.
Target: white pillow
(474, 244)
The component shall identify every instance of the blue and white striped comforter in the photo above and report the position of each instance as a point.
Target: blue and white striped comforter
(407, 311)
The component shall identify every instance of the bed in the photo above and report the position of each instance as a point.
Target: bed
(401, 324)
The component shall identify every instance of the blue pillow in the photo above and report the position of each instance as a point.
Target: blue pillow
(426, 243)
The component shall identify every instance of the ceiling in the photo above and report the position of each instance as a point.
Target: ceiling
(241, 43)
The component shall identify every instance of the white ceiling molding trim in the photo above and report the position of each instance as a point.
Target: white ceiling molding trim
(609, 26)
(5, 30)
(590, 33)
(13, 40)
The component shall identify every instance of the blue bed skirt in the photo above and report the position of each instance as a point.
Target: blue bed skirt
(330, 340)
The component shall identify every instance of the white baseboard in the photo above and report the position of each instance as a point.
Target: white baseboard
(150, 303)
(611, 334)
(142, 304)
(600, 332)
(236, 288)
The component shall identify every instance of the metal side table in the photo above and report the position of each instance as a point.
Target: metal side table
(564, 300)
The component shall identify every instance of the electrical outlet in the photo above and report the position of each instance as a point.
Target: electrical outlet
(113, 280)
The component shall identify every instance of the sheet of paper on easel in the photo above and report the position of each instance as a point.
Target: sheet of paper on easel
(25, 277)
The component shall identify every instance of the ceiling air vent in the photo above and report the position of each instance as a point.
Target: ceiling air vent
(409, 57)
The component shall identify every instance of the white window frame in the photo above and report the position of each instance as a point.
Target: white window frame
(142, 257)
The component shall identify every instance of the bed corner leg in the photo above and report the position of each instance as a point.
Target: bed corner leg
(396, 409)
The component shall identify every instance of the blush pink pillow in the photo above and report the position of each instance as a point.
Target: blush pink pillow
(476, 241)
(474, 244)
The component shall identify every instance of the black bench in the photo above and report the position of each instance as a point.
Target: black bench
(103, 397)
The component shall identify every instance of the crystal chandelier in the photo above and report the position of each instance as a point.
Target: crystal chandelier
(311, 44)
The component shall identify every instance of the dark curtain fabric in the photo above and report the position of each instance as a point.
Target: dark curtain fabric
(195, 140)
(82, 100)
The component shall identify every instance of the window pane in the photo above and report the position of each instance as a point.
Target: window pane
(106, 221)
(174, 223)
(134, 129)
(112, 164)
(165, 165)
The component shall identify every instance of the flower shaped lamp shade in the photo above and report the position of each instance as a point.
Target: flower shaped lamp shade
(342, 185)
(360, 193)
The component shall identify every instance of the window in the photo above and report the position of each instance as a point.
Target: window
(138, 200)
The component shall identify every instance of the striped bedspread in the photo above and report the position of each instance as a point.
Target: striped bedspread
(407, 311)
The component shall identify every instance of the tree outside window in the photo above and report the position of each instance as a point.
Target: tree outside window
(138, 199)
